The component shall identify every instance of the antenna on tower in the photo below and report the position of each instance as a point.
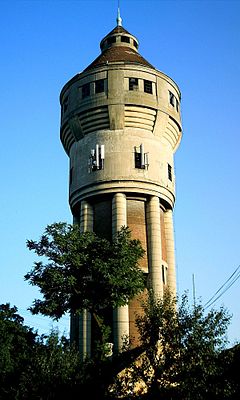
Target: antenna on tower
(119, 19)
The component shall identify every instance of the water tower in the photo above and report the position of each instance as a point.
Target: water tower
(120, 126)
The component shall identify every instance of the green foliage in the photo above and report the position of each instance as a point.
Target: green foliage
(183, 355)
(16, 344)
(53, 371)
(84, 271)
(33, 366)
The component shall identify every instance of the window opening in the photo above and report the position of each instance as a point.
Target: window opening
(163, 275)
(99, 86)
(171, 98)
(148, 87)
(86, 90)
(169, 172)
(133, 83)
(71, 175)
(125, 39)
(135, 44)
(65, 104)
(177, 105)
(111, 39)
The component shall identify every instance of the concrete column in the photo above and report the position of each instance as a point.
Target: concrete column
(119, 212)
(154, 246)
(85, 334)
(86, 225)
(169, 235)
(86, 217)
(120, 315)
(74, 319)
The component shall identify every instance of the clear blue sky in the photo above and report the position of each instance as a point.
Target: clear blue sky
(197, 43)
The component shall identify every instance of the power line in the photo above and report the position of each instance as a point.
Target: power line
(230, 281)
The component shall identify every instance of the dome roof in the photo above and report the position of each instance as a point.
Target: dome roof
(119, 46)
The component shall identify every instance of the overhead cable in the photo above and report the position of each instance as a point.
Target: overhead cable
(229, 282)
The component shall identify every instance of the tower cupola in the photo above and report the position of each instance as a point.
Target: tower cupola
(119, 37)
(119, 46)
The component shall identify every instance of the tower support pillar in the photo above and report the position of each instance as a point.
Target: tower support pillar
(169, 235)
(81, 324)
(121, 314)
(155, 246)
(86, 217)
(86, 225)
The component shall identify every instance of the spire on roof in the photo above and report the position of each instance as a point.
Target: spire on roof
(119, 19)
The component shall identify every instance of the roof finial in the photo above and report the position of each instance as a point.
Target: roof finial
(119, 19)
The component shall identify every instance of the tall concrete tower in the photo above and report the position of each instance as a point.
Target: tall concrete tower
(120, 126)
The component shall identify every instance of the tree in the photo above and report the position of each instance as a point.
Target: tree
(54, 370)
(17, 342)
(32, 366)
(84, 271)
(182, 353)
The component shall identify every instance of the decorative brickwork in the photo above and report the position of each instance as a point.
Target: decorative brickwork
(102, 224)
(136, 221)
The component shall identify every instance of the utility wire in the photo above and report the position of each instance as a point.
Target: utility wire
(228, 287)
(231, 280)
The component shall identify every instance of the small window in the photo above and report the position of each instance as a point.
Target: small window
(71, 175)
(86, 90)
(65, 104)
(148, 87)
(138, 160)
(125, 39)
(99, 86)
(111, 40)
(169, 172)
(177, 105)
(135, 44)
(171, 99)
(163, 275)
(133, 83)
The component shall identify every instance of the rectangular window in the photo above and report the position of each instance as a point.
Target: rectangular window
(148, 87)
(177, 105)
(99, 86)
(111, 39)
(65, 104)
(71, 175)
(171, 99)
(163, 274)
(135, 44)
(138, 160)
(125, 39)
(85, 90)
(169, 172)
(133, 83)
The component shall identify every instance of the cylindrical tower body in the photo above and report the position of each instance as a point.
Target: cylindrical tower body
(120, 126)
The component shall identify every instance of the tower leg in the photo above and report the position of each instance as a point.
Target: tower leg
(154, 246)
(80, 331)
(121, 314)
(169, 234)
